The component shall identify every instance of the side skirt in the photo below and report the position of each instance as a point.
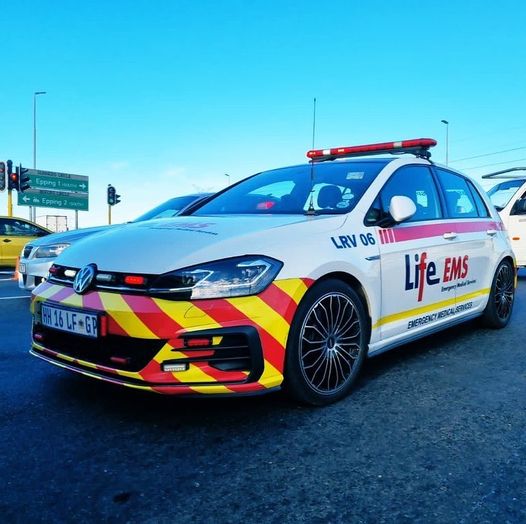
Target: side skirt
(412, 338)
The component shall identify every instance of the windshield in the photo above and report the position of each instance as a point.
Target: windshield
(502, 193)
(337, 188)
(170, 208)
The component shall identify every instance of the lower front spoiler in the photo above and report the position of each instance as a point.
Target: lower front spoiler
(197, 390)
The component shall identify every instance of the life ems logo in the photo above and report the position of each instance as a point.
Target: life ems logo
(423, 272)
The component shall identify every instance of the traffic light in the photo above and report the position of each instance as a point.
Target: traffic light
(111, 195)
(12, 178)
(2, 176)
(113, 198)
(24, 182)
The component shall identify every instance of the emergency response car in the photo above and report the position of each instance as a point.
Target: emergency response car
(289, 278)
(509, 197)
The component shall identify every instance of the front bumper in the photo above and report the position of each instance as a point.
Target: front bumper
(32, 271)
(222, 346)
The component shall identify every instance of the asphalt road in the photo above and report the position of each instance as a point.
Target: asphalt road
(434, 432)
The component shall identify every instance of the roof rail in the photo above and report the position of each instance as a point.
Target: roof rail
(497, 173)
(416, 146)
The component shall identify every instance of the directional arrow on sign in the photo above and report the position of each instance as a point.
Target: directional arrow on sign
(54, 199)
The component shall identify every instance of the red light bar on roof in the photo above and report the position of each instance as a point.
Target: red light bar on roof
(417, 145)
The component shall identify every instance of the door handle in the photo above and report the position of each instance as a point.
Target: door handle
(450, 236)
(491, 232)
(7, 240)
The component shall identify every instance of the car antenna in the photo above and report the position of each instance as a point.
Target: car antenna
(311, 210)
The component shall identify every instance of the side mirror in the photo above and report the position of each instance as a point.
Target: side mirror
(401, 208)
(519, 208)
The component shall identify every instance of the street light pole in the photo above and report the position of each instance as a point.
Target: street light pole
(446, 123)
(228, 176)
(32, 210)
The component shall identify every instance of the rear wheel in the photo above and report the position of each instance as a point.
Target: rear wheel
(500, 303)
(327, 344)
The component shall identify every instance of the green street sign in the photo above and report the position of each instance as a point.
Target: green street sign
(54, 199)
(54, 181)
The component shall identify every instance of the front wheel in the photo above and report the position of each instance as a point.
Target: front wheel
(500, 303)
(327, 344)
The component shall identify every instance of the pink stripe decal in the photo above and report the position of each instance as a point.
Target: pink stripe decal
(62, 294)
(404, 234)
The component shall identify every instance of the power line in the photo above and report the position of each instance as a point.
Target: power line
(495, 164)
(489, 133)
(488, 154)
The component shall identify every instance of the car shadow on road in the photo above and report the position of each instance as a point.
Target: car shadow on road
(92, 396)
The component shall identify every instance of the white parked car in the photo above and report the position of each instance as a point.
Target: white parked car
(291, 277)
(509, 197)
(38, 255)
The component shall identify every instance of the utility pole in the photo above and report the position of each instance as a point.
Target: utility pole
(32, 210)
(446, 123)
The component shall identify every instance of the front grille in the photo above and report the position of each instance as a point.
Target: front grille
(27, 251)
(134, 352)
(104, 280)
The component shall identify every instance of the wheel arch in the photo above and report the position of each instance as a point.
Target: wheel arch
(353, 282)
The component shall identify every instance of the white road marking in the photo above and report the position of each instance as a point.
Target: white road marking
(13, 298)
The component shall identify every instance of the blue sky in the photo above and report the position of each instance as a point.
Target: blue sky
(161, 98)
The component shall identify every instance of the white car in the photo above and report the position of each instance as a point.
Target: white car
(38, 255)
(509, 198)
(288, 278)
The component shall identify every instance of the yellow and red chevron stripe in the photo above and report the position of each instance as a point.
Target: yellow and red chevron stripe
(270, 313)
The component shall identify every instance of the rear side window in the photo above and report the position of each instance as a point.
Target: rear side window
(479, 202)
(459, 199)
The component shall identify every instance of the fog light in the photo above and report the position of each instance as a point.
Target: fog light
(173, 367)
(194, 342)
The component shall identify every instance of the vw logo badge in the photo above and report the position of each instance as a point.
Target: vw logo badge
(83, 279)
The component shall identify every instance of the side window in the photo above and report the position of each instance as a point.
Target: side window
(19, 228)
(459, 200)
(415, 182)
(519, 208)
(479, 202)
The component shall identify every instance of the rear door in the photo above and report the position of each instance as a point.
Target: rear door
(471, 267)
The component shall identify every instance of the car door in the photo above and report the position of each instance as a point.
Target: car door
(6, 241)
(471, 269)
(517, 229)
(15, 233)
(412, 255)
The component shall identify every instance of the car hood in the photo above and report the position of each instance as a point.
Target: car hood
(69, 236)
(159, 246)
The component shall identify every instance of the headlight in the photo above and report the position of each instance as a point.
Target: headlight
(232, 277)
(51, 251)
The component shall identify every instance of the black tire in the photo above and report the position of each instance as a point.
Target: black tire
(500, 302)
(327, 344)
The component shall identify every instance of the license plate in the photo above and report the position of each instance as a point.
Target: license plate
(22, 268)
(71, 321)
